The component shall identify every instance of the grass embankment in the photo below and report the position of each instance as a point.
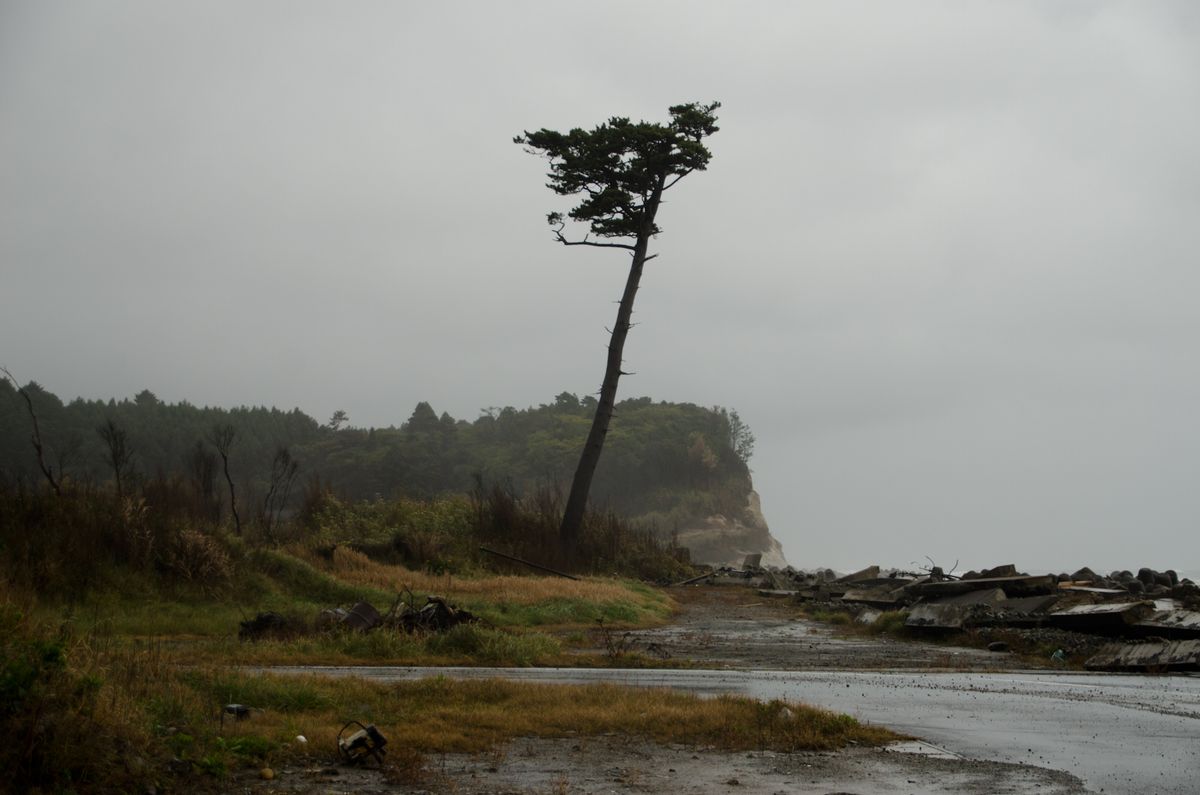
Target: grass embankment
(518, 613)
(119, 621)
(84, 712)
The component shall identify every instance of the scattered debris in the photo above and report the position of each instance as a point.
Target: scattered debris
(1153, 605)
(363, 617)
(437, 615)
(365, 743)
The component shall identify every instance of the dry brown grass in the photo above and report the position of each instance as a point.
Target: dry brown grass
(115, 713)
(444, 716)
(355, 567)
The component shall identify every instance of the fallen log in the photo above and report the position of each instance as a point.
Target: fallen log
(530, 564)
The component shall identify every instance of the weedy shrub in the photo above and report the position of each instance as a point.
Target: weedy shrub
(889, 623)
(492, 646)
(63, 724)
(830, 616)
(197, 557)
(608, 544)
(86, 539)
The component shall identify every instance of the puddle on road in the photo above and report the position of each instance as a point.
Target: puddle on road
(920, 748)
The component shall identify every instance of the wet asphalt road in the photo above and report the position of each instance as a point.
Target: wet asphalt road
(1119, 734)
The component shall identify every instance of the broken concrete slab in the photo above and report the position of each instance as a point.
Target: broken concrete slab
(1025, 611)
(955, 612)
(890, 595)
(1177, 655)
(1012, 586)
(1171, 624)
(1072, 586)
(1030, 604)
(869, 573)
(1104, 618)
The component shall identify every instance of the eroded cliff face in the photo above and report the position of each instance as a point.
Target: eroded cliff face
(725, 541)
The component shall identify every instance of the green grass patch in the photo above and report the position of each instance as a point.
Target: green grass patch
(119, 714)
(565, 612)
(890, 622)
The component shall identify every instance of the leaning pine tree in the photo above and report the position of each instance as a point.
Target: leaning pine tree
(621, 169)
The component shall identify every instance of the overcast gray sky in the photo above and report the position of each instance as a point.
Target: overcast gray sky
(943, 261)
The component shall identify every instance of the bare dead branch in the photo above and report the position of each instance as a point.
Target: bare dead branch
(558, 235)
(677, 178)
(37, 433)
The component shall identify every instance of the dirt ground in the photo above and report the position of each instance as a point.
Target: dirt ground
(733, 627)
(717, 626)
(621, 765)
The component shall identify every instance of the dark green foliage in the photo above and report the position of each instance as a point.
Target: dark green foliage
(46, 712)
(672, 462)
(528, 528)
(618, 166)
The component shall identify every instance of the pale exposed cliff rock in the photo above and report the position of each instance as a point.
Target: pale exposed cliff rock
(725, 541)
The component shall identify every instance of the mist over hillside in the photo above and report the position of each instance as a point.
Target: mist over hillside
(665, 464)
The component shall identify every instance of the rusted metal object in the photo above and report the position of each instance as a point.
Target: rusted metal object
(366, 743)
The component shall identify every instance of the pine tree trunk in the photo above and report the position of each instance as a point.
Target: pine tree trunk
(572, 522)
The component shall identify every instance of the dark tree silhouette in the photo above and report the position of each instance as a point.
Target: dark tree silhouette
(222, 437)
(621, 169)
(284, 469)
(38, 446)
(117, 451)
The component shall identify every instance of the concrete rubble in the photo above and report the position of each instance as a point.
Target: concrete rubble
(1152, 617)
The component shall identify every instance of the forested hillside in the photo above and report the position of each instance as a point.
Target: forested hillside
(665, 463)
